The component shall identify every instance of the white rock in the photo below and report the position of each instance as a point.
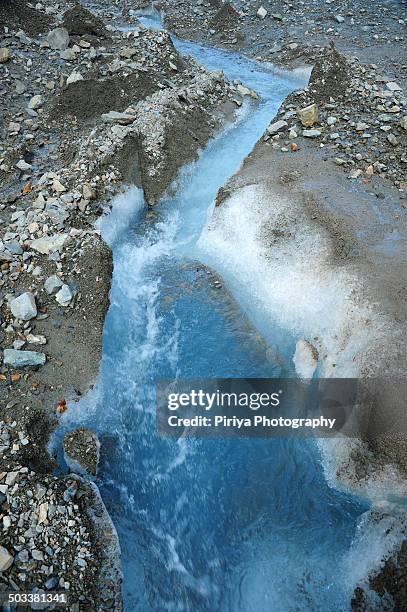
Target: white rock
(68, 55)
(48, 244)
(31, 339)
(116, 117)
(6, 560)
(24, 307)
(64, 295)
(305, 359)
(74, 77)
(58, 39)
(261, 12)
(35, 102)
(311, 133)
(52, 284)
(22, 165)
(392, 86)
(275, 127)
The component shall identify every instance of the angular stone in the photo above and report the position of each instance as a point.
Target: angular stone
(24, 307)
(23, 166)
(245, 91)
(403, 122)
(275, 127)
(74, 77)
(88, 192)
(262, 12)
(116, 117)
(64, 296)
(6, 559)
(35, 102)
(58, 39)
(308, 115)
(49, 244)
(311, 133)
(4, 55)
(52, 284)
(69, 55)
(392, 86)
(22, 359)
(127, 52)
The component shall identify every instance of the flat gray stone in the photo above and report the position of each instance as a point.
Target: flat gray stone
(22, 359)
(311, 133)
(48, 244)
(115, 117)
(275, 127)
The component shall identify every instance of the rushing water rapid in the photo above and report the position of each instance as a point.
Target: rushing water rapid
(234, 525)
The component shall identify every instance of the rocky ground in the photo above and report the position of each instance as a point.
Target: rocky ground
(90, 101)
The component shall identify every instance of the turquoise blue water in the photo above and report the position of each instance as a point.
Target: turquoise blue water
(234, 525)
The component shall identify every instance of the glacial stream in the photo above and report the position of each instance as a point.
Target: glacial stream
(234, 525)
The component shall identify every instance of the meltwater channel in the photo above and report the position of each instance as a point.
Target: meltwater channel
(234, 525)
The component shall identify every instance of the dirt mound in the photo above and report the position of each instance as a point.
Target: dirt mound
(330, 76)
(226, 17)
(17, 15)
(88, 99)
(81, 22)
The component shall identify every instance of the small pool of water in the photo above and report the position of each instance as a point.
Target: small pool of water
(234, 525)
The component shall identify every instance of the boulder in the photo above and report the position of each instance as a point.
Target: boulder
(35, 102)
(58, 39)
(262, 12)
(24, 307)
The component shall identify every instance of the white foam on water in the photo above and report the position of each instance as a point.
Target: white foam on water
(126, 208)
(378, 536)
(278, 265)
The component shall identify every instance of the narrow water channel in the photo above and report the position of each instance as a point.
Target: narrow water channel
(234, 525)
